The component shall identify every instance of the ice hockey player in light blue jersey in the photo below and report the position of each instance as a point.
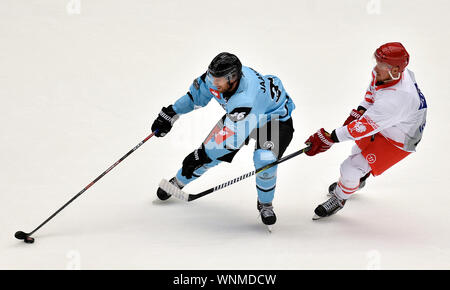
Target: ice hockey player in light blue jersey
(256, 107)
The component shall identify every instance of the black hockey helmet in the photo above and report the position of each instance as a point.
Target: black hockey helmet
(225, 65)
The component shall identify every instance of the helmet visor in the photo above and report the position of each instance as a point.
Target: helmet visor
(219, 81)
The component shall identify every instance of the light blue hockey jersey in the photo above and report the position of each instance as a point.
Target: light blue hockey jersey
(257, 100)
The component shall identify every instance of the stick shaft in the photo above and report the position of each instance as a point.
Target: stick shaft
(93, 182)
(244, 176)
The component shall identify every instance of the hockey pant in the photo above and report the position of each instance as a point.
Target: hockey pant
(374, 154)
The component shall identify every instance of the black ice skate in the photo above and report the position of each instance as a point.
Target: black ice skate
(329, 207)
(267, 214)
(362, 183)
(163, 195)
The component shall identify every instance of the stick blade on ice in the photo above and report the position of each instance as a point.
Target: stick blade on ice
(173, 190)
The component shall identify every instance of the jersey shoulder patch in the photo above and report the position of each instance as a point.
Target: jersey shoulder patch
(239, 114)
(196, 84)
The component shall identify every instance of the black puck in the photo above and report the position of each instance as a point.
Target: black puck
(29, 240)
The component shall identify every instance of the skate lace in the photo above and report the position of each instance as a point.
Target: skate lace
(266, 211)
(332, 204)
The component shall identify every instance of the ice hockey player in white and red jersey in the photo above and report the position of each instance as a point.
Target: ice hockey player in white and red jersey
(386, 127)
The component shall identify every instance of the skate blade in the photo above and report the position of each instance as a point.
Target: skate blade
(269, 228)
(316, 217)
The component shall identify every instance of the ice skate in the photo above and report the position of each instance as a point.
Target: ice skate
(267, 214)
(362, 183)
(329, 207)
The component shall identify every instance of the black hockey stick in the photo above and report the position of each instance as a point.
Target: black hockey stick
(178, 193)
(26, 236)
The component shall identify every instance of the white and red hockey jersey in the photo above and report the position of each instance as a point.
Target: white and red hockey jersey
(396, 110)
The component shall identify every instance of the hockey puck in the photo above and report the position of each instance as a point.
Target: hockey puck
(23, 236)
(29, 240)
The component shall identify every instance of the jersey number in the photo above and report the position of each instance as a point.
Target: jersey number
(274, 91)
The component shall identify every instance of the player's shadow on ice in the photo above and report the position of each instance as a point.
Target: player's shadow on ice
(169, 202)
(225, 218)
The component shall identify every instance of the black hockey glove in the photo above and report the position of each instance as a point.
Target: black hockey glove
(194, 161)
(164, 121)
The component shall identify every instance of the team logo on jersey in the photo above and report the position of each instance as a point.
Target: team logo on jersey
(371, 158)
(215, 93)
(223, 135)
(359, 128)
(219, 134)
(239, 114)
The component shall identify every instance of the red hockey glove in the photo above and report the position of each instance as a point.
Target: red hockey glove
(354, 114)
(319, 142)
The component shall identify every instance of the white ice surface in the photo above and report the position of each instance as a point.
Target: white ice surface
(80, 90)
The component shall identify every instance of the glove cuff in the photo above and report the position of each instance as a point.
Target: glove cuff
(355, 114)
(324, 138)
(200, 154)
(169, 114)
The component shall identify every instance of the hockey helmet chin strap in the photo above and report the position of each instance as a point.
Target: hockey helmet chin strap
(392, 77)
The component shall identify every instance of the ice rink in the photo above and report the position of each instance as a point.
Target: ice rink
(81, 82)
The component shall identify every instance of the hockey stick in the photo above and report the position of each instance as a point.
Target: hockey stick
(178, 193)
(26, 236)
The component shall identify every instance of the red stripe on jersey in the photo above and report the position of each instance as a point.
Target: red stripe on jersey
(389, 84)
(361, 127)
(373, 79)
(393, 142)
(369, 100)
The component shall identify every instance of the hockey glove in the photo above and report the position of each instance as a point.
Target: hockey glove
(319, 142)
(164, 121)
(354, 115)
(194, 161)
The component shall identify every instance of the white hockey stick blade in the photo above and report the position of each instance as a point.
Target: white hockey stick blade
(173, 190)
